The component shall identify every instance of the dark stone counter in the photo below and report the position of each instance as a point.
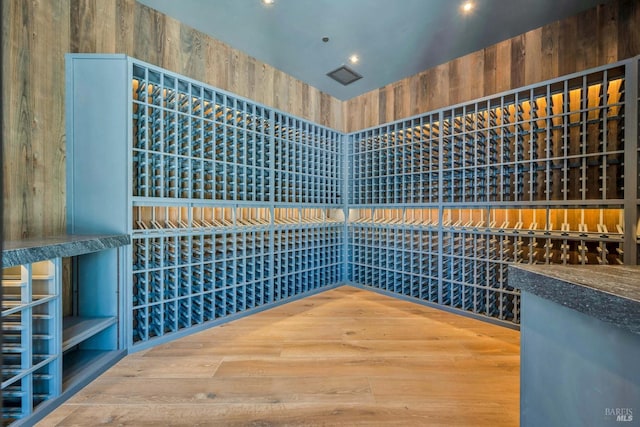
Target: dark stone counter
(38, 249)
(607, 293)
(579, 344)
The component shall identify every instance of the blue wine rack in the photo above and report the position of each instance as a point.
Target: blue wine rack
(31, 343)
(441, 203)
(230, 205)
(234, 206)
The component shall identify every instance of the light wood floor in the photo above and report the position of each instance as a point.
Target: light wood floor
(344, 357)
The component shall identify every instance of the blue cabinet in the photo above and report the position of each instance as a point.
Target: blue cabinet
(48, 357)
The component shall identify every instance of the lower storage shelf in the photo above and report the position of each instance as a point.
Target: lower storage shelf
(80, 367)
(77, 329)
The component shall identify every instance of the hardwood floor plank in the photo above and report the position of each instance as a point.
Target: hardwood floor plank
(397, 367)
(226, 390)
(446, 386)
(369, 348)
(275, 415)
(353, 328)
(217, 349)
(165, 367)
(346, 357)
(59, 415)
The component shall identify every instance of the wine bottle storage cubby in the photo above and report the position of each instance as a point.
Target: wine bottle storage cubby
(184, 279)
(164, 218)
(307, 162)
(306, 258)
(197, 264)
(562, 141)
(191, 141)
(30, 352)
(397, 163)
(458, 257)
(397, 258)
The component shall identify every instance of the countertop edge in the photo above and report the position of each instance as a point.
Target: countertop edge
(605, 306)
(67, 245)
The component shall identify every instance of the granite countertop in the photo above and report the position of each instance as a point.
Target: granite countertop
(66, 245)
(608, 293)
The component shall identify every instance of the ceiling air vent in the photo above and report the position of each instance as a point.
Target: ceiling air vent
(344, 75)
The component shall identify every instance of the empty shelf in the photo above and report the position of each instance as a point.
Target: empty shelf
(79, 329)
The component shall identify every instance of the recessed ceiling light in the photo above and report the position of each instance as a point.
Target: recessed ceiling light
(467, 6)
(354, 59)
(268, 2)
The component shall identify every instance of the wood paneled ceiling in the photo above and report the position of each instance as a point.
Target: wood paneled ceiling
(393, 39)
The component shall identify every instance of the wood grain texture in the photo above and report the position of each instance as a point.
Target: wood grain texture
(599, 36)
(81, 27)
(345, 357)
(421, 93)
(475, 62)
(587, 52)
(390, 102)
(124, 25)
(440, 86)
(150, 40)
(33, 117)
(532, 51)
(628, 28)
(568, 38)
(503, 66)
(608, 39)
(401, 107)
(549, 51)
(517, 61)
(105, 40)
(382, 104)
(489, 71)
(455, 79)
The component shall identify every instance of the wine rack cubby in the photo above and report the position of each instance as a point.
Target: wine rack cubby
(196, 265)
(461, 260)
(562, 141)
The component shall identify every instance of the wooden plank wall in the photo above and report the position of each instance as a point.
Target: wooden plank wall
(605, 34)
(35, 36)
